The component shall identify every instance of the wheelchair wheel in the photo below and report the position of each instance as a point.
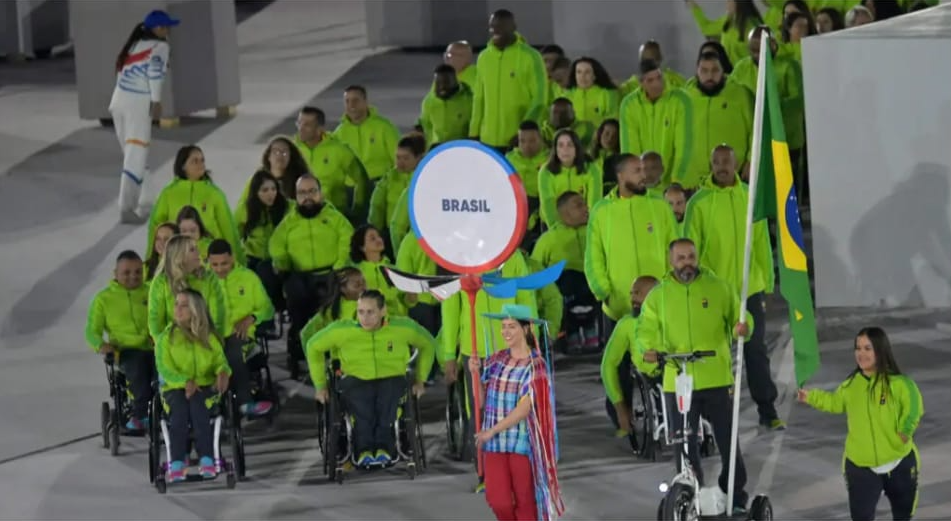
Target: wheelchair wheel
(160, 485)
(708, 446)
(643, 413)
(104, 417)
(761, 509)
(155, 444)
(333, 439)
(114, 439)
(413, 441)
(321, 412)
(237, 440)
(421, 446)
(455, 422)
(231, 481)
(677, 504)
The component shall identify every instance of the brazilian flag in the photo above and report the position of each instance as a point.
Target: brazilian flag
(776, 198)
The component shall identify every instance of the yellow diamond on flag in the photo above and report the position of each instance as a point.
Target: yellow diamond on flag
(798, 316)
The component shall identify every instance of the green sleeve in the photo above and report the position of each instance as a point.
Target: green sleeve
(553, 307)
(263, 308)
(682, 136)
(707, 26)
(546, 198)
(912, 405)
(361, 184)
(241, 209)
(219, 362)
(825, 401)
(217, 303)
(426, 346)
(541, 253)
(614, 351)
(539, 81)
(451, 311)
(278, 246)
(595, 264)
(321, 343)
(693, 223)
(315, 324)
(595, 184)
(377, 216)
(748, 108)
(95, 323)
(399, 219)
(478, 106)
(425, 120)
(229, 230)
(614, 100)
(630, 134)
(650, 332)
(763, 254)
(404, 256)
(344, 232)
(172, 375)
(158, 217)
(158, 301)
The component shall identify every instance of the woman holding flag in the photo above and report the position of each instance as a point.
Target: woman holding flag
(518, 431)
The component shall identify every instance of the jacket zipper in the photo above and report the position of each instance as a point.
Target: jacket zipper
(376, 370)
(739, 269)
(871, 427)
(630, 215)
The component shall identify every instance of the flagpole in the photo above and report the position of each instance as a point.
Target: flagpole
(755, 158)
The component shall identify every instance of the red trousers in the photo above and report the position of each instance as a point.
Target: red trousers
(509, 486)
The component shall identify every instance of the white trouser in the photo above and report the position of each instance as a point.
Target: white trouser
(133, 123)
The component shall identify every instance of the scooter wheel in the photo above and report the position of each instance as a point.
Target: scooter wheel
(761, 509)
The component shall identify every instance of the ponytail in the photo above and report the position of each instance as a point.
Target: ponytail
(139, 32)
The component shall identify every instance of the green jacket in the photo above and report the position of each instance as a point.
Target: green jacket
(841, 5)
(683, 318)
(589, 183)
(373, 273)
(178, 359)
(773, 16)
(399, 224)
(627, 238)
(371, 355)
(456, 328)
(662, 126)
(256, 243)
(468, 76)
(348, 311)
(562, 243)
(594, 104)
(733, 39)
(551, 305)
(410, 258)
(673, 80)
(208, 199)
(876, 412)
(789, 77)
(373, 140)
(623, 340)
(715, 219)
(553, 91)
(162, 301)
(317, 244)
(445, 120)
(724, 118)
(511, 88)
(121, 315)
(528, 168)
(246, 296)
(385, 197)
(337, 168)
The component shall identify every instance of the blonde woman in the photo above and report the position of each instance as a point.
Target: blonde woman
(181, 269)
(191, 366)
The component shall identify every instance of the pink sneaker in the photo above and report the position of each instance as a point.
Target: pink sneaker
(176, 472)
(256, 408)
(206, 467)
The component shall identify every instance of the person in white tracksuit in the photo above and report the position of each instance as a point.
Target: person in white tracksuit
(140, 70)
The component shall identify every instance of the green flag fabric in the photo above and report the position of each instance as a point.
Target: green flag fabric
(776, 198)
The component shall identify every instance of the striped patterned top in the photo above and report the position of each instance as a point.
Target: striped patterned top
(507, 382)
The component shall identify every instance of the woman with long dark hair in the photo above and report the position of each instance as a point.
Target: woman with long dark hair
(258, 215)
(604, 150)
(883, 408)
(829, 19)
(367, 253)
(283, 160)
(592, 92)
(190, 225)
(193, 186)
(732, 28)
(136, 99)
(348, 285)
(568, 168)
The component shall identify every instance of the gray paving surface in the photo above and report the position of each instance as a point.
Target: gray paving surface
(56, 238)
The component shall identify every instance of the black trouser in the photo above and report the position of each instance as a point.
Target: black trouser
(271, 281)
(184, 412)
(138, 366)
(306, 293)
(900, 487)
(240, 376)
(428, 316)
(716, 405)
(374, 404)
(627, 389)
(756, 359)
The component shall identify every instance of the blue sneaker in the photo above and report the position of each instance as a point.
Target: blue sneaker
(135, 424)
(176, 472)
(383, 458)
(206, 467)
(366, 459)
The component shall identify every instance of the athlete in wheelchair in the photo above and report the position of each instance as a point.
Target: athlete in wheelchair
(117, 329)
(193, 376)
(365, 403)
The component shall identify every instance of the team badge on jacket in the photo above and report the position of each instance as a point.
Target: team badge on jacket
(650, 227)
(241, 291)
(704, 303)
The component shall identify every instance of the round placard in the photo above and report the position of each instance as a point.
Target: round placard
(467, 206)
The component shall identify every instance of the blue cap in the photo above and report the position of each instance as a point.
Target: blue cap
(159, 18)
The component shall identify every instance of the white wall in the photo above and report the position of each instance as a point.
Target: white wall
(879, 140)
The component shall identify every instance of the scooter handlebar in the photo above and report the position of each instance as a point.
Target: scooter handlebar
(686, 357)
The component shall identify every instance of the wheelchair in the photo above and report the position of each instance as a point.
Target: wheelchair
(335, 429)
(460, 445)
(262, 384)
(114, 416)
(650, 414)
(223, 417)
(582, 321)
